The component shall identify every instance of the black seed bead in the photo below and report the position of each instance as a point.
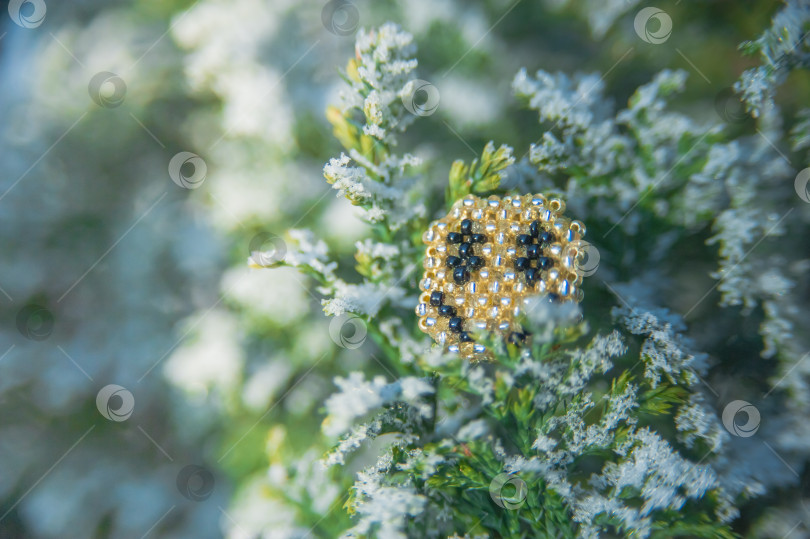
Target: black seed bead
(436, 298)
(534, 228)
(524, 239)
(522, 263)
(553, 298)
(544, 262)
(466, 227)
(447, 310)
(546, 237)
(455, 324)
(454, 237)
(465, 250)
(479, 238)
(516, 337)
(533, 251)
(453, 261)
(465, 337)
(532, 276)
(461, 275)
(475, 262)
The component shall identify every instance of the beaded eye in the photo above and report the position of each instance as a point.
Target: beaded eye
(493, 255)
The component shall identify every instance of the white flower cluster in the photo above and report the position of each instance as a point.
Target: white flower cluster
(366, 298)
(384, 63)
(375, 179)
(646, 465)
(783, 47)
(309, 252)
(558, 380)
(384, 510)
(663, 349)
(665, 480)
(358, 397)
(382, 194)
(579, 119)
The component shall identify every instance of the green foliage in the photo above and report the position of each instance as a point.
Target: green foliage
(479, 178)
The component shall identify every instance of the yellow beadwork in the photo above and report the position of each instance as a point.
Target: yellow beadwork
(493, 296)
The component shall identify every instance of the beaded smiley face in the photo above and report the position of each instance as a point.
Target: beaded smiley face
(486, 258)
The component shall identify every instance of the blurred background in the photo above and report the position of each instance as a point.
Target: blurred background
(151, 383)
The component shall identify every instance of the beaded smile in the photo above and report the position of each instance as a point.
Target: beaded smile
(486, 258)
